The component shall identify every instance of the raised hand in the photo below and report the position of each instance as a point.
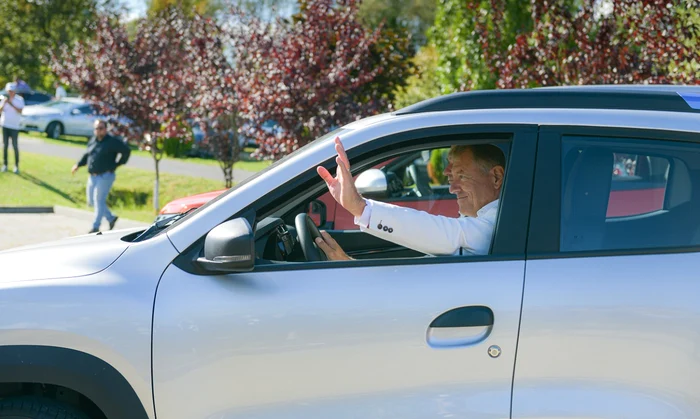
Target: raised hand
(342, 186)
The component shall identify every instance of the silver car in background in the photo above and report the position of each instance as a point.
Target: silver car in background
(67, 116)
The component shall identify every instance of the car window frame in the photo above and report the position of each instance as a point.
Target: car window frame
(510, 235)
(545, 219)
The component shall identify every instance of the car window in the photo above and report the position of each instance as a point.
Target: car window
(620, 194)
(59, 104)
(412, 179)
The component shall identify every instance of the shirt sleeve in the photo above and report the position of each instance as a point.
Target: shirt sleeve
(363, 219)
(428, 233)
(83, 160)
(124, 150)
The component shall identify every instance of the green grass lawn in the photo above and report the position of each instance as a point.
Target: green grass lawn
(47, 181)
(246, 162)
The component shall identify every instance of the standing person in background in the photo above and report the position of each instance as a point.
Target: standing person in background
(60, 91)
(101, 161)
(21, 85)
(10, 111)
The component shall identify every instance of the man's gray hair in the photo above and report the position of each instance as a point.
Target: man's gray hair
(487, 156)
(100, 121)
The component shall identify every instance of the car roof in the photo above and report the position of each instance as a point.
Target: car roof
(668, 98)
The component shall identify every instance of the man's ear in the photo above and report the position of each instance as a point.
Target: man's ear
(497, 176)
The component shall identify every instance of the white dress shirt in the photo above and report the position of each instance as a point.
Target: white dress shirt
(428, 233)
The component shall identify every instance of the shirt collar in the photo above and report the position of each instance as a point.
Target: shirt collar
(486, 208)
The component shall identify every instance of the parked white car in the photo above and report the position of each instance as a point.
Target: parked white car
(580, 309)
(69, 116)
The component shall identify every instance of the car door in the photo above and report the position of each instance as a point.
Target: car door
(421, 337)
(80, 121)
(610, 314)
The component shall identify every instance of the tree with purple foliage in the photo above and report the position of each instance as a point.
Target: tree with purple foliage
(145, 79)
(217, 90)
(319, 70)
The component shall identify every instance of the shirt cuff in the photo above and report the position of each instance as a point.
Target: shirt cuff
(363, 220)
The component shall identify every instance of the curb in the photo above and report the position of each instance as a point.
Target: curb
(69, 212)
(89, 215)
(26, 210)
(73, 212)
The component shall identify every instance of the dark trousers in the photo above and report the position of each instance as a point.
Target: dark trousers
(8, 133)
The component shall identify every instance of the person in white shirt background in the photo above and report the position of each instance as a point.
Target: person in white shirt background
(10, 111)
(475, 174)
(60, 91)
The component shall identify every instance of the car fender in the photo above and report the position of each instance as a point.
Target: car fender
(79, 371)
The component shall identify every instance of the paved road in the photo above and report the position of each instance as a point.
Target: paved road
(25, 229)
(176, 167)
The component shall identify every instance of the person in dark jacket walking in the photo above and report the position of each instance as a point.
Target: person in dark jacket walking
(101, 161)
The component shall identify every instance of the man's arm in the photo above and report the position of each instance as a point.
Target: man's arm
(19, 107)
(83, 160)
(124, 150)
(428, 233)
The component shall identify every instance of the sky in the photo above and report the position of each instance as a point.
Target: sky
(137, 8)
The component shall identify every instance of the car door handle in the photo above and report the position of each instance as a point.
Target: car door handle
(462, 326)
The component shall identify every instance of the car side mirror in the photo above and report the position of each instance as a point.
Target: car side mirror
(372, 183)
(318, 212)
(229, 247)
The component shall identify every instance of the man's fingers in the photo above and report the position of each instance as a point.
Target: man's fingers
(329, 240)
(323, 246)
(325, 174)
(343, 169)
(341, 152)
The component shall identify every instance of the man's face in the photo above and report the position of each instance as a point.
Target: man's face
(100, 130)
(473, 186)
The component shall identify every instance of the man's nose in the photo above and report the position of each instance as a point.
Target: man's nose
(447, 170)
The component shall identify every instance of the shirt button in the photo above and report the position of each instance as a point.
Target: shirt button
(391, 230)
(386, 228)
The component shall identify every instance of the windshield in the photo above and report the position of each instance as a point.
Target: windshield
(59, 104)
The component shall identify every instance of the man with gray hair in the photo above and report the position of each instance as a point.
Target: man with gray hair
(10, 111)
(101, 161)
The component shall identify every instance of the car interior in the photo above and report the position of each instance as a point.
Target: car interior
(587, 184)
(287, 235)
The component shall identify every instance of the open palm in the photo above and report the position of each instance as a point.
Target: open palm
(342, 186)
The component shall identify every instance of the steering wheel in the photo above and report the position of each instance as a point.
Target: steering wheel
(307, 233)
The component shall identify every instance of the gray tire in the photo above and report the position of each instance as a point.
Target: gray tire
(54, 130)
(30, 407)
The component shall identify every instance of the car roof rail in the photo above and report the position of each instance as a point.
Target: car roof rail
(671, 98)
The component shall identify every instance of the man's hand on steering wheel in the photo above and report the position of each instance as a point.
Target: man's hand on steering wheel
(330, 247)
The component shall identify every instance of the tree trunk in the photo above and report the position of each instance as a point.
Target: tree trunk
(156, 203)
(228, 176)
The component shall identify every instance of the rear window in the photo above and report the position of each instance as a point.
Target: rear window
(622, 194)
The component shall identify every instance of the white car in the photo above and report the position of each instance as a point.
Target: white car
(581, 308)
(69, 116)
